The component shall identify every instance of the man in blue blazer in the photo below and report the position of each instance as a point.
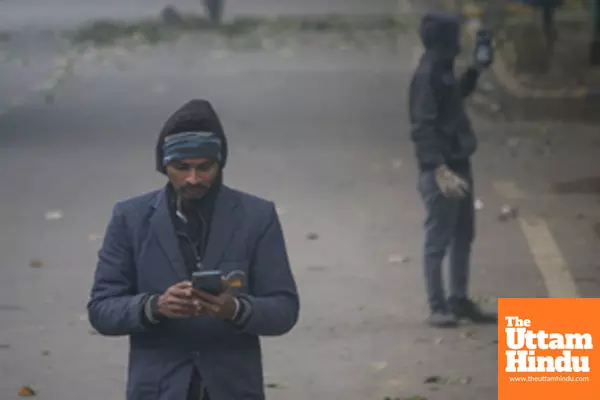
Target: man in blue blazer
(186, 343)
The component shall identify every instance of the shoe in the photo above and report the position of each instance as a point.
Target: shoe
(442, 319)
(467, 309)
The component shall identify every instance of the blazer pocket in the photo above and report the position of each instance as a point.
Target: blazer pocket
(238, 271)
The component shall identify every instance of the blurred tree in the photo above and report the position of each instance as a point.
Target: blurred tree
(214, 9)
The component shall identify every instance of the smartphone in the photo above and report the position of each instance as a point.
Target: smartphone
(208, 281)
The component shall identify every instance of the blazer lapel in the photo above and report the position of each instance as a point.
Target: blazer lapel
(162, 225)
(224, 223)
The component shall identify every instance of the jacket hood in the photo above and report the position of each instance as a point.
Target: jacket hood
(440, 33)
(195, 115)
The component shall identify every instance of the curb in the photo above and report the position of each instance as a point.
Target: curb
(505, 78)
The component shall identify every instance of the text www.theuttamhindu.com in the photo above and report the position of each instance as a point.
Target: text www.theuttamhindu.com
(543, 379)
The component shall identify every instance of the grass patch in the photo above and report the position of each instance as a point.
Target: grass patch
(153, 31)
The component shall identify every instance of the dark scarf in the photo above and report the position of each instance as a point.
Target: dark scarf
(194, 228)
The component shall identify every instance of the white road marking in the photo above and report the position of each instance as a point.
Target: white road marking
(548, 258)
(544, 249)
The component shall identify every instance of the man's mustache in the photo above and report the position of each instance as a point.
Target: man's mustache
(193, 188)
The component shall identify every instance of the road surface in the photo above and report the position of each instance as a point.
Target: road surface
(321, 128)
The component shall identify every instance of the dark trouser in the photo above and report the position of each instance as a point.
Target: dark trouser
(450, 223)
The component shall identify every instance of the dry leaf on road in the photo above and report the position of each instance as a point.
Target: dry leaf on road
(507, 213)
(53, 215)
(398, 259)
(274, 385)
(36, 263)
(26, 391)
(478, 204)
(379, 366)
(94, 237)
(312, 236)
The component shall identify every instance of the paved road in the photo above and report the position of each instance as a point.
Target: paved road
(322, 130)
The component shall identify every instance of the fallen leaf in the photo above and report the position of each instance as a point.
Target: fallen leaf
(398, 259)
(312, 236)
(433, 379)
(281, 210)
(26, 391)
(459, 381)
(53, 215)
(478, 204)
(507, 213)
(466, 334)
(46, 352)
(379, 365)
(274, 385)
(396, 163)
(36, 264)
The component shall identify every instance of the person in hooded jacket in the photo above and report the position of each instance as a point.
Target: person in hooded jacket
(444, 142)
(185, 343)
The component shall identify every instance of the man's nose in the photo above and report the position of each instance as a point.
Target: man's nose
(193, 177)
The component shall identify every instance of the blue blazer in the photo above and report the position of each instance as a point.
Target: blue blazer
(141, 255)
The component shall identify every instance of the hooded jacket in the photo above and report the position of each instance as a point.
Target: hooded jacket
(440, 128)
(140, 258)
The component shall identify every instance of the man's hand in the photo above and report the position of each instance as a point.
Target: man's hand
(450, 184)
(178, 301)
(222, 306)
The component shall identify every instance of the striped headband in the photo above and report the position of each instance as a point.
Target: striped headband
(191, 145)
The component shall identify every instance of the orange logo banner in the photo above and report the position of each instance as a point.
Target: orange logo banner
(548, 349)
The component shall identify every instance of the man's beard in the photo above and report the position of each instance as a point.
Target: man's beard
(192, 192)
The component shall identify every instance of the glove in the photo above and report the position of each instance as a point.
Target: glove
(449, 183)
